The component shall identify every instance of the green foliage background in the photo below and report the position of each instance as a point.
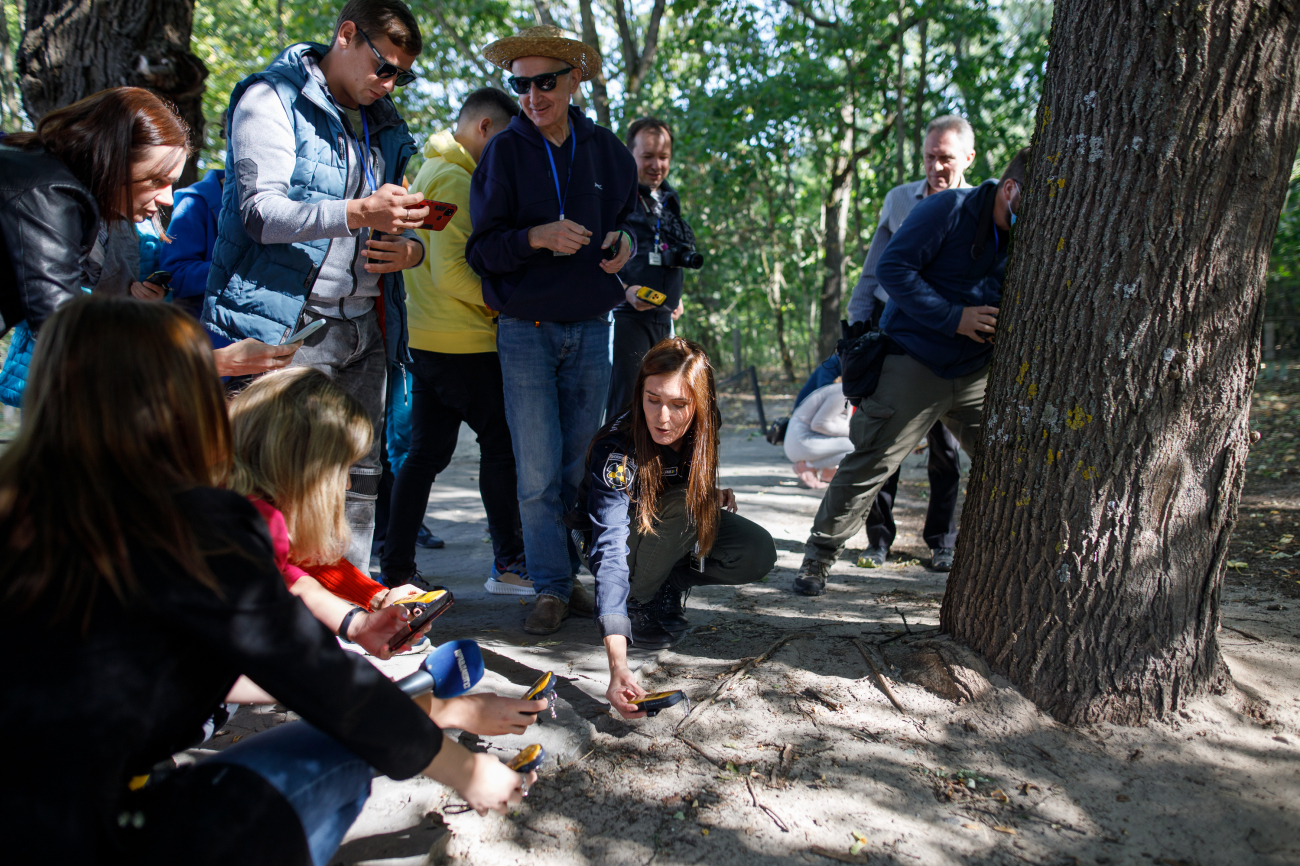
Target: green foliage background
(764, 96)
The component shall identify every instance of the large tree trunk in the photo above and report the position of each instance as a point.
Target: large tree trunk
(73, 48)
(774, 288)
(1116, 427)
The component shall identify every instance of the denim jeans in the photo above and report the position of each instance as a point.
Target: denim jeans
(351, 352)
(449, 389)
(324, 783)
(556, 377)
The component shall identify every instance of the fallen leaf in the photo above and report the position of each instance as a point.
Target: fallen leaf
(549, 642)
(996, 794)
(1122, 798)
(1238, 564)
(680, 816)
(1027, 787)
(1008, 830)
(971, 826)
(705, 831)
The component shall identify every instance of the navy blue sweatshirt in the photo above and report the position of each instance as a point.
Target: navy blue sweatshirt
(513, 190)
(931, 272)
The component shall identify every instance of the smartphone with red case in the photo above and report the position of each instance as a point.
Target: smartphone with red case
(440, 213)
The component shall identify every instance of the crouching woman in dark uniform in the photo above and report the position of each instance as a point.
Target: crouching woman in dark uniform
(659, 525)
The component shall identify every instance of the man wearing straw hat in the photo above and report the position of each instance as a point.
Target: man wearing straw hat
(549, 203)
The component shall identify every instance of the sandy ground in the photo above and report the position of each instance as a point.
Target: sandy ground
(803, 758)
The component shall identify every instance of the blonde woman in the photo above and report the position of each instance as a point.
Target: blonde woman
(295, 435)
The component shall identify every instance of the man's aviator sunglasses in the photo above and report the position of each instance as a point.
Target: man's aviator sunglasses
(386, 69)
(545, 82)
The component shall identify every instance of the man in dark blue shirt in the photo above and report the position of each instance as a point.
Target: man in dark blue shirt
(943, 272)
(549, 203)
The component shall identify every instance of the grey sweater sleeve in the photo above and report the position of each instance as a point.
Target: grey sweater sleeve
(262, 144)
(868, 288)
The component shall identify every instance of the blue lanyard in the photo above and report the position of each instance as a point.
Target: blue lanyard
(365, 157)
(556, 175)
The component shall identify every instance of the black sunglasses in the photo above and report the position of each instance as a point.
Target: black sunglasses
(386, 69)
(545, 82)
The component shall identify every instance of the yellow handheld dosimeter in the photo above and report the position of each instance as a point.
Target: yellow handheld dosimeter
(651, 296)
(653, 704)
(543, 690)
(528, 759)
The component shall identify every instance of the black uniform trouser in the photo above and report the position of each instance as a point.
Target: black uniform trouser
(742, 553)
(634, 335)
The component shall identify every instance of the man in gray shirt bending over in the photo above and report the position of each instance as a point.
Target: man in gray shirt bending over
(316, 226)
(949, 150)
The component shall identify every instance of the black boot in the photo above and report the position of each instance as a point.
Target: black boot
(670, 604)
(647, 632)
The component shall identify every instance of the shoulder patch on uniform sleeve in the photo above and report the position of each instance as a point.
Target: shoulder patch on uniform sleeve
(618, 474)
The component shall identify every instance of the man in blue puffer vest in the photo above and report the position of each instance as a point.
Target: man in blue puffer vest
(314, 223)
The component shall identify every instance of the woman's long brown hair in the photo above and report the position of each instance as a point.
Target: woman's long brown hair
(123, 410)
(676, 355)
(100, 137)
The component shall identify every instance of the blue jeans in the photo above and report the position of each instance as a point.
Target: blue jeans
(556, 377)
(324, 783)
(400, 401)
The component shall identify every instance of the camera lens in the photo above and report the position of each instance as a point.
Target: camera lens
(692, 259)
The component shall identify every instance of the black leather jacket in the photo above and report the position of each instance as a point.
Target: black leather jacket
(48, 225)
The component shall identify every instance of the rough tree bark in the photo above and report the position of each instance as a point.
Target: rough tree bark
(73, 48)
(1116, 425)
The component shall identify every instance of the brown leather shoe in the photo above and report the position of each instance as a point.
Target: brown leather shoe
(547, 615)
(580, 601)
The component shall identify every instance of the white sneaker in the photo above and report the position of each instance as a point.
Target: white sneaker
(513, 581)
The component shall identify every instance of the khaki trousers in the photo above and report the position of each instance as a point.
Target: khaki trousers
(885, 429)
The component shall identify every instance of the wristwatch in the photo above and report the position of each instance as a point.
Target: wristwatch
(347, 621)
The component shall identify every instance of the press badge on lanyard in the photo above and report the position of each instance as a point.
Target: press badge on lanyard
(555, 175)
(655, 256)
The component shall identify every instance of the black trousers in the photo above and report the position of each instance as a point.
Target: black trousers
(634, 335)
(450, 389)
(944, 469)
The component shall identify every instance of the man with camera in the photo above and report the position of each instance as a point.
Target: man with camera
(665, 245)
(943, 274)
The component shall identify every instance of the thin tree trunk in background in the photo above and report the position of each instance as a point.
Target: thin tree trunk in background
(1116, 430)
(900, 110)
(775, 285)
(919, 102)
(73, 48)
(599, 92)
(11, 112)
(835, 212)
(281, 39)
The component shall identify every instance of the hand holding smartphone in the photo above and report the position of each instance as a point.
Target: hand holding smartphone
(304, 333)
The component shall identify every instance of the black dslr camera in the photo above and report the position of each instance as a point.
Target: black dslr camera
(680, 255)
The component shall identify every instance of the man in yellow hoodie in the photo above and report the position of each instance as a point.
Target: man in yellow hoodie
(456, 370)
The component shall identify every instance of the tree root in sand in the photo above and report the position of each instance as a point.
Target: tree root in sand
(740, 671)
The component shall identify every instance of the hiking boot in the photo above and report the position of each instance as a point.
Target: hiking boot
(874, 556)
(549, 612)
(941, 559)
(510, 578)
(426, 539)
(670, 605)
(812, 577)
(647, 631)
(580, 601)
